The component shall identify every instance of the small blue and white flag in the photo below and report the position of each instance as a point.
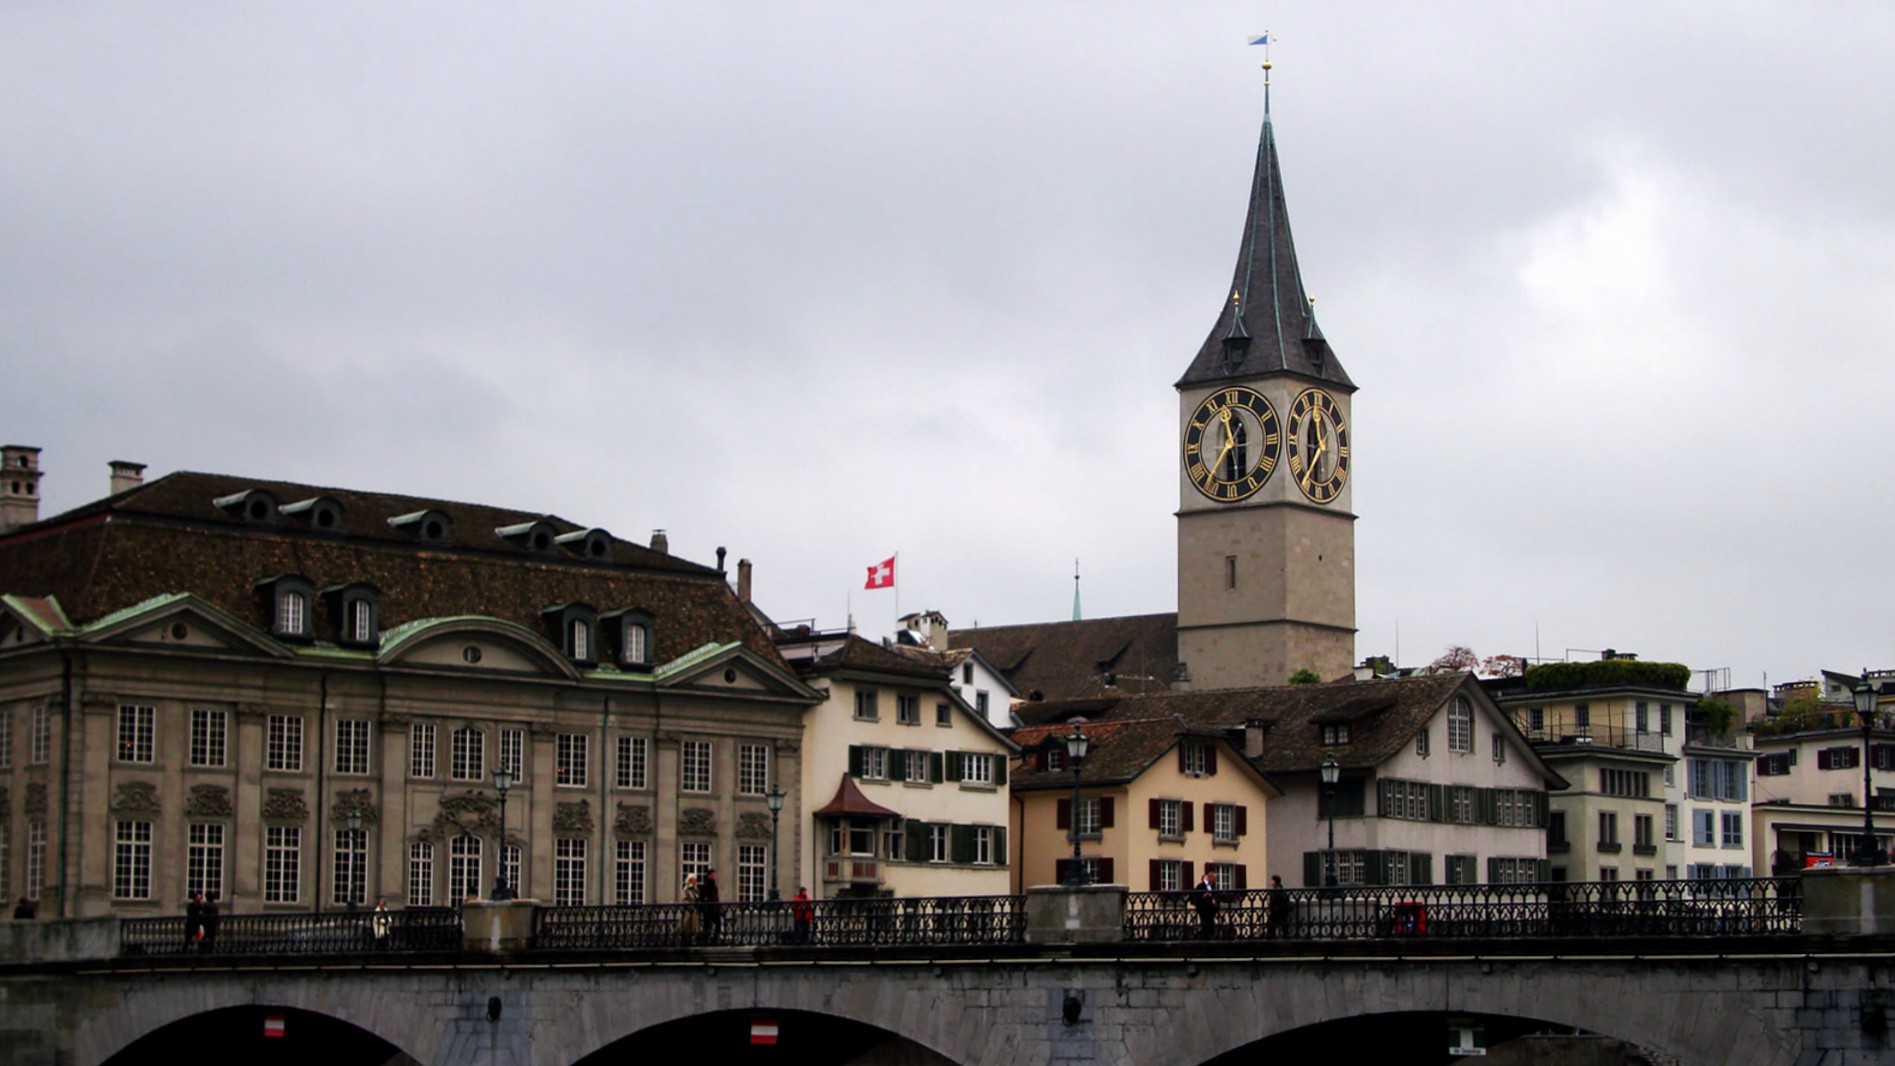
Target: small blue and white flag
(1263, 39)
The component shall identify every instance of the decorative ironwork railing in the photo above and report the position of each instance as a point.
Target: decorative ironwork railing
(1762, 906)
(892, 922)
(331, 933)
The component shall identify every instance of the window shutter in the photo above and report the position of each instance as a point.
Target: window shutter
(1061, 867)
(1243, 820)
(1000, 845)
(1384, 802)
(1493, 869)
(1157, 875)
(897, 765)
(1438, 803)
(961, 844)
(1105, 871)
(855, 760)
(1421, 867)
(1105, 812)
(917, 833)
(1312, 869)
(1063, 817)
(1184, 766)
(935, 774)
(1210, 819)
(1000, 769)
(1152, 806)
(1185, 874)
(1543, 870)
(953, 766)
(1374, 871)
(1243, 876)
(1210, 759)
(1822, 759)
(1184, 815)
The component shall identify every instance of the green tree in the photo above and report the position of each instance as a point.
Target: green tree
(1306, 676)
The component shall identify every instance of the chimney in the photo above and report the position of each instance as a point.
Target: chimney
(720, 558)
(126, 475)
(660, 543)
(743, 580)
(19, 486)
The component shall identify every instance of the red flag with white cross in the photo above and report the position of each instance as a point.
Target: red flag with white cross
(882, 575)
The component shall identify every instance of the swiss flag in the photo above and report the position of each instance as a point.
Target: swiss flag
(882, 575)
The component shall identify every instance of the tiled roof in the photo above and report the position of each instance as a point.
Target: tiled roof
(1121, 750)
(168, 536)
(850, 800)
(1064, 660)
(822, 653)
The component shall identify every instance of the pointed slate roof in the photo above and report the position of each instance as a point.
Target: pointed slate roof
(1069, 660)
(1266, 315)
(849, 800)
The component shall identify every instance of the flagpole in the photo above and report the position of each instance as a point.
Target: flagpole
(897, 584)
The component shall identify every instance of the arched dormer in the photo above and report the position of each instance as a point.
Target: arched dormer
(429, 526)
(538, 537)
(574, 628)
(478, 643)
(628, 634)
(254, 507)
(592, 545)
(287, 602)
(355, 609)
(320, 513)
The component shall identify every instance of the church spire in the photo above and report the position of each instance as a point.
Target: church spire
(1268, 324)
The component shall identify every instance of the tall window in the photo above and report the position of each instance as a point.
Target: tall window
(510, 866)
(1460, 725)
(135, 728)
(512, 749)
(6, 739)
(421, 874)
(984, 844)
(581, 639)
(752, 860)
(350, 868)
(131, 860)
(421, 749)
(470, 754)
(1733, 829)
(694, 857)
(865, 708)
(1641, 720)
(204, 859)
(6, 857)
(628, 875)
(40, 740)
(35, 859)
(1168, 875)
(695, 776)
(359, 616)
(1196, 759)
(1223, 821)
(633, 763)
(939, 845)
(282, 863)
(977, 769)
(1086, 816)
(569, 872)
(1671, 821)
(351, 746)
(572, 760)
(1642, 831)
(292, 613)
(285, 742)
(753, 769)
(908, 709)
(207, 736)
(463, 868)
(636, 639)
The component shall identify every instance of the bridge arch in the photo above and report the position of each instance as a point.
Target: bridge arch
(766, 1035)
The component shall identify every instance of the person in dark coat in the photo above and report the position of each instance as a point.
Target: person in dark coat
(24, 911)
(209, 943)
(194, 923)
(1204, 901)
(1279, 908)
(707, 897)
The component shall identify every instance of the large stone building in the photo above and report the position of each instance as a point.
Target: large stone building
(208, 682)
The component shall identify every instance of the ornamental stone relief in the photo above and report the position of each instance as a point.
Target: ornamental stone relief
(468, 813)
(633, 821)
(572, 818)
(697, 822)
(355, 799)
(35, 798)
(207, 801)
(752, 825)
(285, 805)
(135, 797)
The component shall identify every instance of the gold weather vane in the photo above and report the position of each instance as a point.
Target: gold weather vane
(1264, 40)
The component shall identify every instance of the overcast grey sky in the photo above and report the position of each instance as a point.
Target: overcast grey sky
(821, 282)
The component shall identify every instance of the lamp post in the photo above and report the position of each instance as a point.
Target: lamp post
(1331, 772)
(358, 848)
(1870, 852)
(502, 782)
(1077, 745)
(774, 799)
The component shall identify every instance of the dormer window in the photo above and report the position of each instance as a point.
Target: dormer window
(537, 537)
(630, 634)
(571, 626)
(1336, 734)
(594, 545)
(354, 608)
(430, 526)
(1054, 758)
(317, 512)
(287, 599)
(254, 506)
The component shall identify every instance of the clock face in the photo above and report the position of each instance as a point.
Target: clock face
(1319, 445)
(1232, 443)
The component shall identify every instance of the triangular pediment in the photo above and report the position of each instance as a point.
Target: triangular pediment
(26, 620)
(730, 668)
(182, 621)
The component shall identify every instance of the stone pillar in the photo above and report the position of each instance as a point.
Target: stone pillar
(497, 927)
(1060, 914)
(1849, 901)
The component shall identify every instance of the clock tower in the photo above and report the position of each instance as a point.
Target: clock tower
(1266, 536)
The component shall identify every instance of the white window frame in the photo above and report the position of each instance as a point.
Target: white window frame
(352, 746)
(1224, 822)
(137, 738)
(131, 859)
(421, 874)
(753, 867)
(282, 863)
(464, 861)
(984, 845)
(348, 867)
(1087, 817)
(630, 871)
(977, 768)
(284, 749)
(35, 858)
(694, 857)
(1170, 818)
(1461, 726)
(753, 769)
(421, 750)
(574, 760)
(204, 859)
(469, 754)
(867, 709)
(569, 872)
(513, 753)
(874, 763)
(292, 612)
(695, 759)
(634, 762)
(907, 708)
(40, 736)
(940, 844)
(210, 737)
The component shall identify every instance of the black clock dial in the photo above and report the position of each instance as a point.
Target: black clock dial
(1319, 445)
(1232, 443)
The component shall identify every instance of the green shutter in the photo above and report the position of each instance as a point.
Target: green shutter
(1438, 803)
(1375, 867)
(897, 764)
(1000, 768)
(1421, 867)
(855, 760)
(961, 844)
(1312, 869)
(934, 767)
(917, 834)
(1000, 848)
(954, 766)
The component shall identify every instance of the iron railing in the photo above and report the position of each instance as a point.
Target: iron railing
(891, 922)
(335, 932)
(1762, 906)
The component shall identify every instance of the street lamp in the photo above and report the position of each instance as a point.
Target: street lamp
(358, 850)
(1077, 745)
(1870, 853)
(502, 782)
(1332, 772)
(774, 800)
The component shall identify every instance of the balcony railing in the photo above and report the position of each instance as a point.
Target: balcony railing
(889, 921)
(1599, 736)
(1737, 907)
(336, 932)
